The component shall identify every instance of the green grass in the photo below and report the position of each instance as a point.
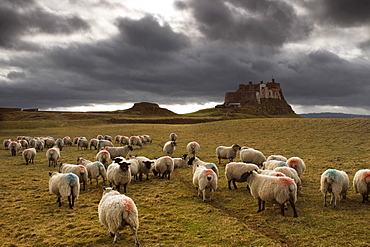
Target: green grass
(170, 213)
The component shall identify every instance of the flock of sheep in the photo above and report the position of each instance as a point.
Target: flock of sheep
(273, 179)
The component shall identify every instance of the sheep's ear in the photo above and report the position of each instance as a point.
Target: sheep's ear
(50, 174)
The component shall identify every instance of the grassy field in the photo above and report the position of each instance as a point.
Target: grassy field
(170, 213)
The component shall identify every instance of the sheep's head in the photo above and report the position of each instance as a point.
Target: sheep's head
(236, 146)
(148, 164)
(124, 166)
(191, 160)
(130, 148)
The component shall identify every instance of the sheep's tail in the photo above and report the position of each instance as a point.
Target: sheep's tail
(331, 176)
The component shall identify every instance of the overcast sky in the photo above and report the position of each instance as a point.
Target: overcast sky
(56, 54)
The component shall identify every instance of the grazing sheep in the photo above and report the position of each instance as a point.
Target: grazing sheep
(203, 179)
(39, 145)
(237, 172)
(59, 143)
(104, 157)
(82, 143)
(94, 143)
(143, 139)
(163, 166)
(277, 157)
(117, 138)
(64, 185)
(29, 155)
(169, 148)
(145, 166)
(67, 141)
(99, 137)
(14, 147)
(148, 138)
(32, 143)
(195, 162)
(292, 173)
(180, 162)
(361, 183)
(108, 138)
(250, 155)
(24, 143)
(136, 141)
(52, 155)
(193, 148)
(272, 189)
(335, 182)
(229, 153)
(272, 164)
(298, 164)
(104, 143)
(124, 140)
(94, 170)
(49, 142)
(6, 143)
(118, 151)
(79, 170)
(119, 173)
(116, 211)
(173, 137)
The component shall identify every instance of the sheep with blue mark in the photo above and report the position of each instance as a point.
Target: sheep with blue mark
(66, 185)
(94, 170)
(336, 183)
(272, 164)
(79, 170)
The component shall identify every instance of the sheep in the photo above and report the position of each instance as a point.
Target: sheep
(94, 170)
(108, 138)
(163, 166)
(24, 143)
(32, 143)
(335, 182)
(236, 172)
(49, 142)
(298, 164)
(169, 147)
(94, 143)
(250, 155)
(104, 143)
(59, 143)
(180, 162)
(82, 143)
(64, 185)
(52, 155)
(143, 139)
(173, 137)
(67, 141)
(124, 140)
(195, 162)
(292, 173)
(361, 183)
(136, 141)
(39, 145)
(117, 138)
(229, 153)
(277, 157)
(272, 164)
(134, 166)
(148, 138)
(193, 148)
(203, 179)
(145, 166)
(6, 143)
(29, 155)
(272, 189)
(14, 147)
(118, 151)
(116, 211)
(119, 173)
(79, 170)
(99, 137)
(104, 157)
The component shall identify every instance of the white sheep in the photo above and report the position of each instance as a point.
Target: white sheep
(119, 173)
(29, 155)
(67, 141)
(52, 155)
(39, 145)
(251, 155)
(24, 143)
(49, 142)
(361, 183)
(173, 137)
(148, 138)
(94, 169)
(143, 139)
(124, 140)
(335, 182)
(134, 166)
(180, 162)
(116, 211)
(204, 178)
(118, 151)
(59, 143)
(169, 147)
(108, 137)
(117, 139)
(104, 143)
(136, 141)
(277, 157)
(229, 153)
(94, 143)
(65, 185)
(163, 166)
(195, 162)
(6, 143)
(14, 147)
(145, 166)
(82, 143)
(79, 170)
(237, 172)
(104, 157)
(266, 188)
(292, 173)
(298, 164)
(272, 164)
(193, 148)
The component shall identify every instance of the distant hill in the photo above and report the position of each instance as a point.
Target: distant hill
(332, 115)
(149, 109)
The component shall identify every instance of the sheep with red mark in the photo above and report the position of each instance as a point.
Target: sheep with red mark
(163, 167)
(124, 140)
(361, 183)
(195, 162)
(104, 157)
(79, 170)
(292, 173)
(94, 170)
(251, 155)
(273, 189)
(49, 142)
(193, 148)
(64, 185)
(29, 155)
(298, 164)
(336, 183)
(229, 153)
(169, 147)
(148, 138)
(237, 172)
(6, 143)
(116, 211)
(67, 141)
(119, 173)
(136, 141)
(204, 179)
(52, 155)
(119, 151)
(14, 147)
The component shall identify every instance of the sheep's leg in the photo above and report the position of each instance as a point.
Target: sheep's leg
(282, 209)
(134, 229)
(84, 185)
(118, 187)
(325, 199)
(125, 188)
(60, 203)
(333, 200)
(211, 198)
(228, 184)
(293, 207)
(69, 202)
(115, 238)
(204, 195)
(169, 175)
(259, 205)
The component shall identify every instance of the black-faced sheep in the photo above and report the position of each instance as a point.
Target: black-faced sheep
(145, 166)
(361, 183)
(29, 155)
(229, 153)
(335, 182)
(116, 211)
(119, 173)
(238, 172)
(64, 185)
(180, 162)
